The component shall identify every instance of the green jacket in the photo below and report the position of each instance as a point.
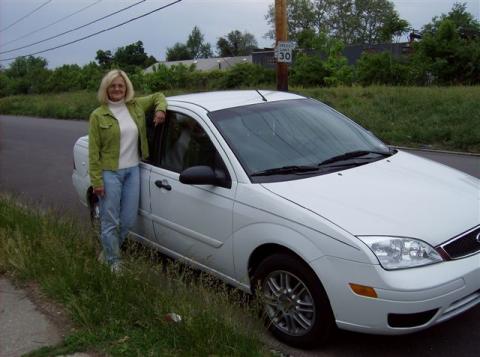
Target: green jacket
(104, 134)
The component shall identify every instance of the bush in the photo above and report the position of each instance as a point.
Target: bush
(90, 76)
(28, 75)
(246, 75)
(66, 78)
(447, 57)
(309, 71)
(339, 71)
(4, 84)
(381, 68)
(165, 78)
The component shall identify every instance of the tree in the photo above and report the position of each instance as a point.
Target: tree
(323, 64)
(301, 15)
(179, 52)
(133, 55)
(129, 58)
(368, 22)
(92, 74)
(449, 51)
(104, 58)
(65, 78)
(351, 21)
(28, 75)
(459, 16)
(196, 47)
(236, 43)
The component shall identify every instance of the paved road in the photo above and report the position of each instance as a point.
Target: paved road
(466, 163)
(36, 164)
(36, 161)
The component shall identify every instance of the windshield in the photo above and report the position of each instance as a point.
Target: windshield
(282, 136)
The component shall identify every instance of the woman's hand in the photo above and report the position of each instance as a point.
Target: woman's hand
(159, 118)
(99, 191)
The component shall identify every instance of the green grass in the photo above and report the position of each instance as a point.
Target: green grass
(123, 315)
(434, 117)
(75, 105)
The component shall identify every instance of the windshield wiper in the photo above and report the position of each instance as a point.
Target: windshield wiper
(286, 170)
(353, 155)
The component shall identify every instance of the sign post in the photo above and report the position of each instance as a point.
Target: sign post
(281, 31)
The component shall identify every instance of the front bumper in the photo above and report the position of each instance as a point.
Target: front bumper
(445, 290)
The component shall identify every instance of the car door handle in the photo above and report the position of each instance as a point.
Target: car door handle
(163, 184)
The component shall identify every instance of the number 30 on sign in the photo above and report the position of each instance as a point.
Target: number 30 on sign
(283, 51)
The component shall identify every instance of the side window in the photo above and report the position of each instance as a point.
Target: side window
(186, 144)
(154, 137)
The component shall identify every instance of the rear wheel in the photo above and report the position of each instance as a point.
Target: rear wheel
(296, 307)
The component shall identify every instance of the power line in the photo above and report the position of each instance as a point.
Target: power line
(53, 23)
(27, 15)
(74, 29)
(96, 33)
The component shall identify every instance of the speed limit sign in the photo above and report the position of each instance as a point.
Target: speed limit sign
(283, 51)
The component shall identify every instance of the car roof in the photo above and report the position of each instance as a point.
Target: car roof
(212, 101)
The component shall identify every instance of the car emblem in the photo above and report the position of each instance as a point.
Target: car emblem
(478, 238)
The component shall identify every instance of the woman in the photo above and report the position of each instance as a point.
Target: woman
(117, 142)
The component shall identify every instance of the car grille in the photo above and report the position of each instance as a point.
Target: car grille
(463, 245)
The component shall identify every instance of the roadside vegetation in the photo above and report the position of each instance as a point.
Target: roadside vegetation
(123, 314)
(427, 117)
(427, 96)
(445, 52)
(431, 117)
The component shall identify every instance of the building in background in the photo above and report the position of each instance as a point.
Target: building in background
(265, 57)
(205, 64)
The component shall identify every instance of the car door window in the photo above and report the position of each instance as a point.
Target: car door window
(185, 144)
(154, 137)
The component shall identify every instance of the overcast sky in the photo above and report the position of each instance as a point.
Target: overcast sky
(159, 30)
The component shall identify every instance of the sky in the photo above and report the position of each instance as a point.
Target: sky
(158, 31)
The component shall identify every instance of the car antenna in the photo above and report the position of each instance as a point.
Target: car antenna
(261, 95)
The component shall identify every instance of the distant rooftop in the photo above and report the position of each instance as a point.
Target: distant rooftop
(205, 64)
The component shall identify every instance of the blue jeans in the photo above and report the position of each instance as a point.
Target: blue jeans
(118, 209)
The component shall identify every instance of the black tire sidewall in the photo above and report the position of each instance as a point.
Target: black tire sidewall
(324, 320)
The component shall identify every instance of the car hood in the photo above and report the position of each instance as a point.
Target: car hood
(403, 195)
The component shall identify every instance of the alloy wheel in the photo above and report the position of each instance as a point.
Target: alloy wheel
(289, 304)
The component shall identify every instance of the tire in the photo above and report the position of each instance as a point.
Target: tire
(296, 308)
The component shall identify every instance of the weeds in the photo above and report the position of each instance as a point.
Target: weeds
(124, 314)
(433, 117)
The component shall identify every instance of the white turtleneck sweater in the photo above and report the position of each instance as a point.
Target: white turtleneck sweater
(128, 135)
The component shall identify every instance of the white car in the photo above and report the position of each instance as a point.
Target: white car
(275, 189)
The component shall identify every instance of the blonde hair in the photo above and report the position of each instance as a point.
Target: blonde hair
(102, 94)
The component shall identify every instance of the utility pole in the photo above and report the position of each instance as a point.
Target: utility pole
(281, 30)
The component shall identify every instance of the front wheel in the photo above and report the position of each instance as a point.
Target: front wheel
(297, 309)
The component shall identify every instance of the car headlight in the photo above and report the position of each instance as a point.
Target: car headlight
(401, 253)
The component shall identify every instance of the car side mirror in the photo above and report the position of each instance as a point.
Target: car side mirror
(204, 175)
